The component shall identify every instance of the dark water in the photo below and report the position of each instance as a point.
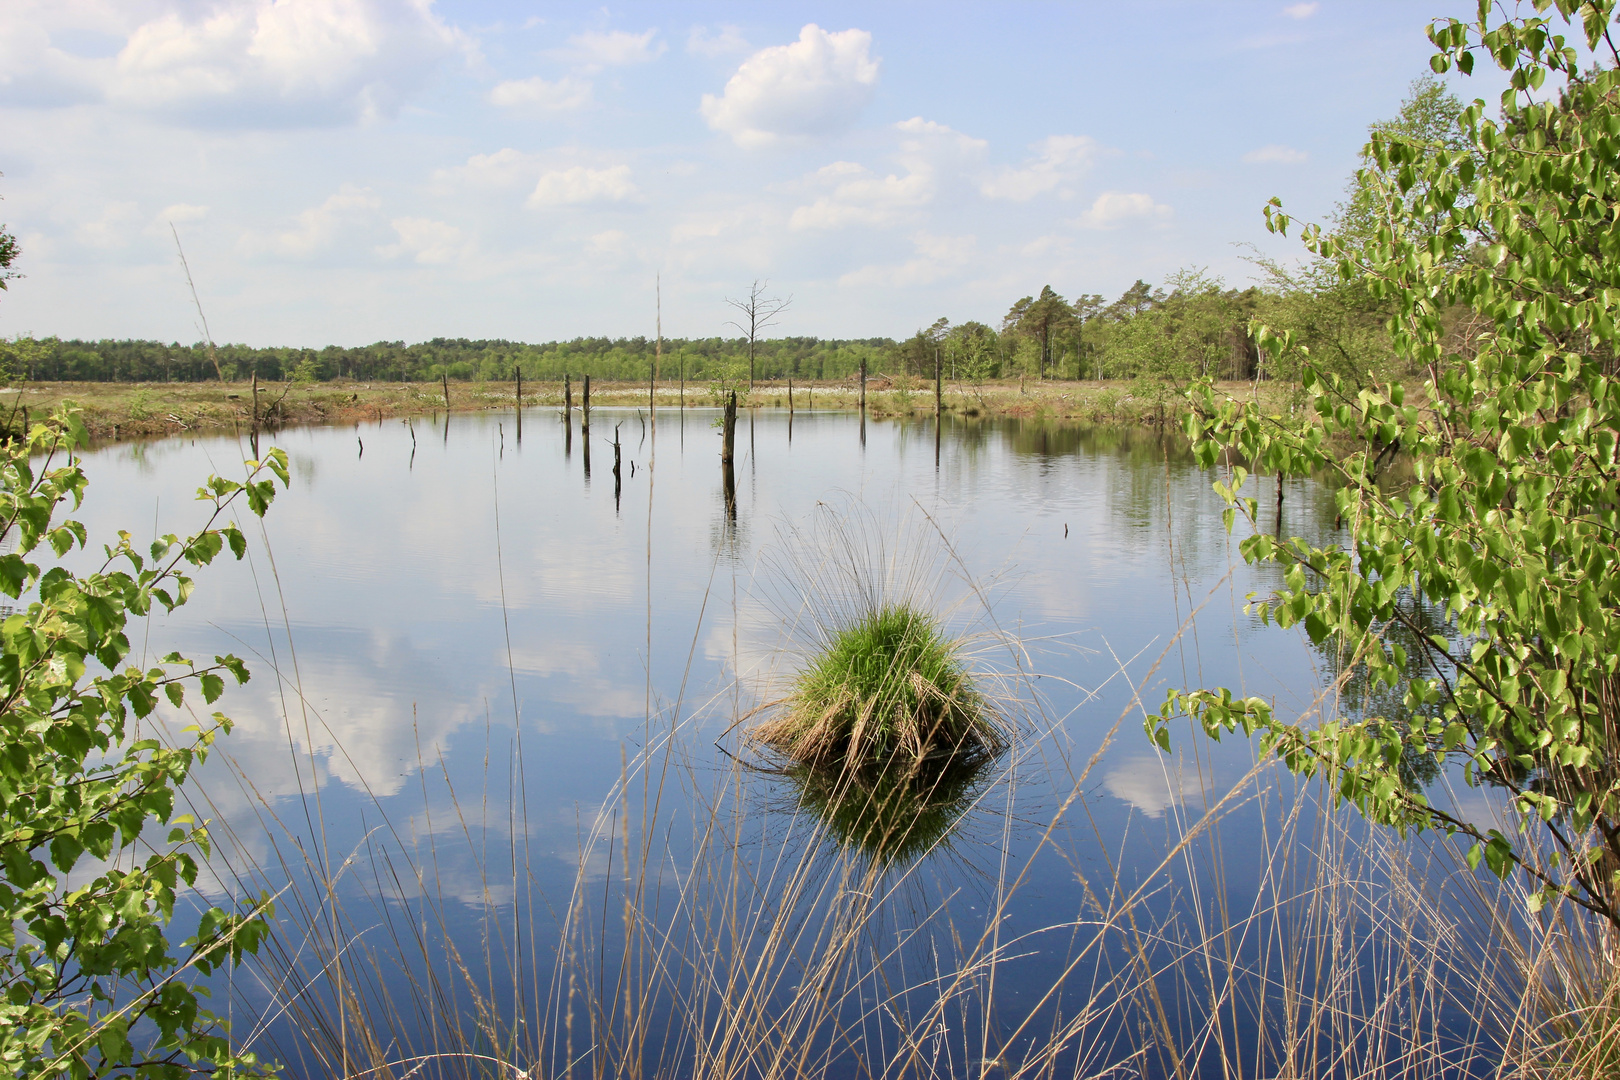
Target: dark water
(474, 667)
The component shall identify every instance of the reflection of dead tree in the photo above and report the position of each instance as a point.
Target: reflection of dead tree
(759, 310)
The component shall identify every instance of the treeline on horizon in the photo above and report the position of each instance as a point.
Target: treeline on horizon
(1194, 325)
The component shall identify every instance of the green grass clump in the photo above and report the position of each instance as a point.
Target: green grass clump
(889, 687)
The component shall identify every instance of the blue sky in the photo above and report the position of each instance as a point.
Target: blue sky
(347, 171)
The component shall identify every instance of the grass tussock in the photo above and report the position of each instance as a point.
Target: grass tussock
(889, 687)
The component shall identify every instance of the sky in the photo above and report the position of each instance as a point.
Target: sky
(350, 171)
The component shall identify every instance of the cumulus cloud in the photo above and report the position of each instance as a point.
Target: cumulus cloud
(937, 257)
(861, 197)
(37, 68)
(177, 214)
(277, 63)
(565, 187)
(728, 39)
(180, 213)
(714, 224)
(924, 139)
(613, 48)
(609, 242)
(1115, 208)
(1301, 11)
(427, 241)
(111, 228)
(928, 153)
(318, 227)
(1057, 160)
(815, 86)
(563, 95)
(505, 168)
(1275, 155)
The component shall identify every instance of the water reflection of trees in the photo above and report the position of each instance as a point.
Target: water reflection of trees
(1359, 695)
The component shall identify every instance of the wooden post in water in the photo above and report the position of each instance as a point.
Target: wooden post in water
(568, 416)
(728, 438)
(790, 396)
(863, 396)
(728, 474)
(444, 380)
(585, 409)
(939, 407)
(617, 480)
(520, 404)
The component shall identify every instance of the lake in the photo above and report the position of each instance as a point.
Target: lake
(494, 757)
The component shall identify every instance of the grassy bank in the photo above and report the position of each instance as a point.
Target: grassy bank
(122, 410)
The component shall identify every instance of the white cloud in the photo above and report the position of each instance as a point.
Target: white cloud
(1058, 159)
(614, 48)
(861, 197)
(1275, 155)
(1044, 245)
(815, 86)
(582, 185)
(700, 42)
(930, 154)
(180, 213)
(610, 242)
(713, 225)
(177, 214)
(937, 257)
(1114, 208)
(565, 94)
(111, 228)
(1301, 11)
(427, 241)
(276, 63)
(35, 71)
(502, 169)
(936, 142)
(318, 226)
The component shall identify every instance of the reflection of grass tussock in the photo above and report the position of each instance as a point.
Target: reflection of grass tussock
(889, 686)
(891, 814)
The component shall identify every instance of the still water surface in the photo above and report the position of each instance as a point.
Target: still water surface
(461, 643)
